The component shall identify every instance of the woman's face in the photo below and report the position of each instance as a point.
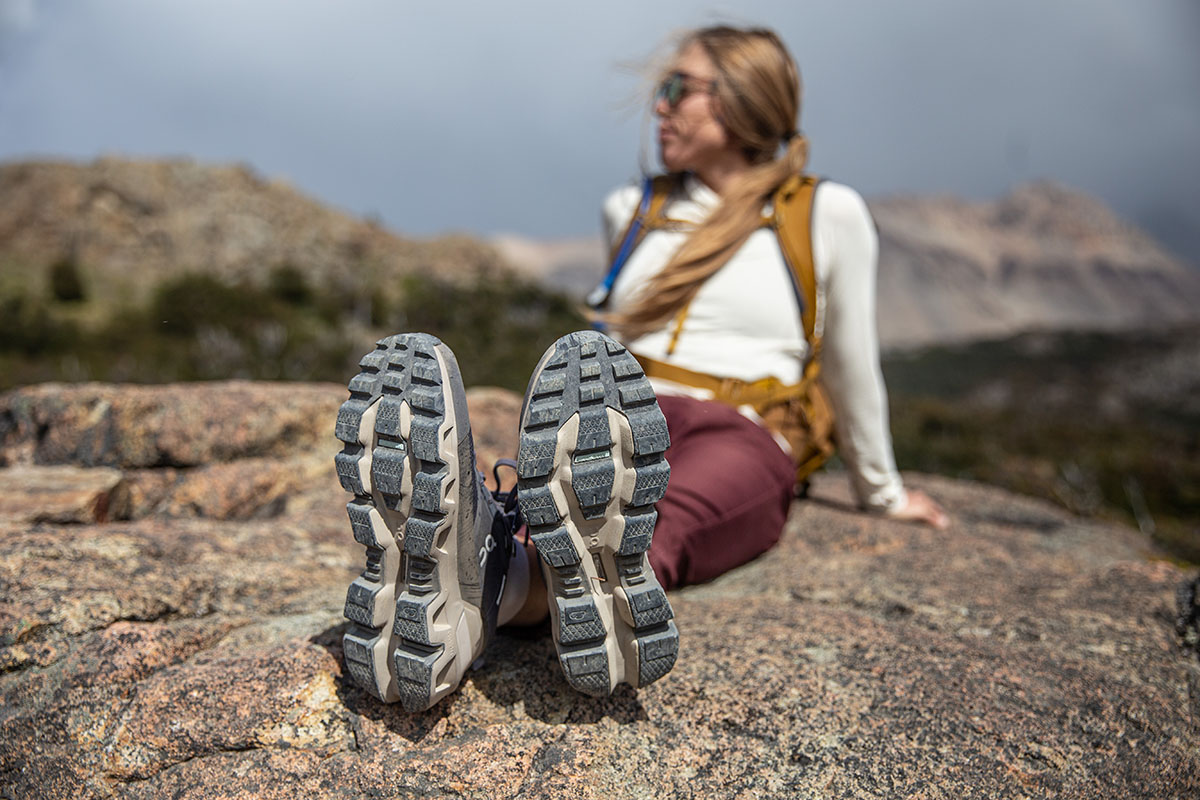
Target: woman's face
(690, 136)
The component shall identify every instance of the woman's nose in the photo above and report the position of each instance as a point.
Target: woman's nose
(661, 106)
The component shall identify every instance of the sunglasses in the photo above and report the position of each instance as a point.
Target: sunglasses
(675, 88)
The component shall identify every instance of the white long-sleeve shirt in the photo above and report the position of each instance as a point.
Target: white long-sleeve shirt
(744, 321)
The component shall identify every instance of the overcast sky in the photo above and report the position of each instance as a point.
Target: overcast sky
(496, 117)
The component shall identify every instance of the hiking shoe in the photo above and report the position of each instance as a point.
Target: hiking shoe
(590, 468)
(437, 544)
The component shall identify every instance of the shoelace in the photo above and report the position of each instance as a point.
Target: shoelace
(508, 500)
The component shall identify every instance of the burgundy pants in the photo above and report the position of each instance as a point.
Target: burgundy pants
(728, 496)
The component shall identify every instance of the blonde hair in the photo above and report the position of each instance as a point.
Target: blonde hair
(757, 98)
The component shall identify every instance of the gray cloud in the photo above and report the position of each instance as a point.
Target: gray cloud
(509, 117)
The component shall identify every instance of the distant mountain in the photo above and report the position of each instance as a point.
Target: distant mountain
(131, 224)
(572, 266)
(1045, 257)
(1042, 258)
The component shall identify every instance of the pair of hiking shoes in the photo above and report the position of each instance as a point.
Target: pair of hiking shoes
(590, 468)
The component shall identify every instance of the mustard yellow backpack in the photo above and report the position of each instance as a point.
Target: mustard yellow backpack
(800, 413)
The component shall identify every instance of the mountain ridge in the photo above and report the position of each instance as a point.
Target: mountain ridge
(1043, 257)
(133, 223)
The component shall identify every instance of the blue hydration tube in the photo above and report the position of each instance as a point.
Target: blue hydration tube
(598, 297)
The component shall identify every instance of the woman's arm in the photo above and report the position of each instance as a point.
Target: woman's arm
(844, 236)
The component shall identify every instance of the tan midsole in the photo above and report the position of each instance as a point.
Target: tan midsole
(600, 537)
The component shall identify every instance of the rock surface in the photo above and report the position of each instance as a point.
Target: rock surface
(1023, 653)
(63, 494)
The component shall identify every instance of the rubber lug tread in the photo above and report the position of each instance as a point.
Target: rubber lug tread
(357, 646)
(387, 471)
(403, 378)
(649, 606)
(586, 670)
(657, 652)
(414, 675)
(412, 618)
(578, 377)
(593, 483)
(639, 532)
(556, 548)
(346, 464)
(387, 418)
(419, 536)
(427, 492)
(579, 621)
(651, 483)
(423, 438)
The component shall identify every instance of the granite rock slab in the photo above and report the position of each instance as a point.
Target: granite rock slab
(1022, 653)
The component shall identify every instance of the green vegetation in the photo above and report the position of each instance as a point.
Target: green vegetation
(66, 284)
(192, 328)
(498, 328)
(1103, 424)
(197, 327)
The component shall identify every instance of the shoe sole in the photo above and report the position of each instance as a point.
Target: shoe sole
(412, 636)
(590, 469)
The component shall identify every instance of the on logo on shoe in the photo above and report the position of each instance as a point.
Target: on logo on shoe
(489, 544)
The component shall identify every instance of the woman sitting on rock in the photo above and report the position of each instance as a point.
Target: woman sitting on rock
(703, 299)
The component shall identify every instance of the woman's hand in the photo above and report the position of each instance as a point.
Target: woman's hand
(923, 509)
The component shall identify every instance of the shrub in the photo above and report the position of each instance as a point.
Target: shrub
(66, 282)
(190, 303)
(30, 326)
(498, 327)
(289, 284)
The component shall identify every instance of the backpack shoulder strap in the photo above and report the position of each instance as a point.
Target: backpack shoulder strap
(648, 216)
(792, 221)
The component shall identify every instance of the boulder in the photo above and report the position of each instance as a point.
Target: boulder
(175, 425)
(31, 493)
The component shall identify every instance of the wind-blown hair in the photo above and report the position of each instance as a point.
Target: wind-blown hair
(757, 99)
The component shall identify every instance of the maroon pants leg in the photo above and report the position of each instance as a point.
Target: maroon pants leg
(728, 496)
